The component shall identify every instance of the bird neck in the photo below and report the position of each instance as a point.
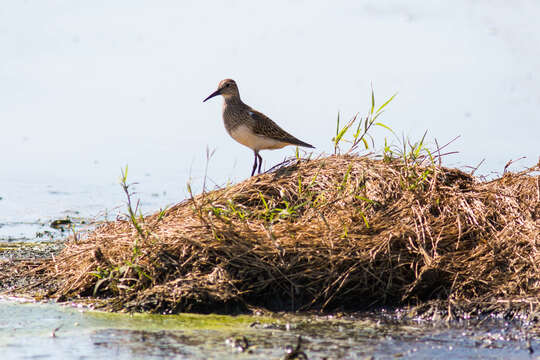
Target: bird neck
(232, 99)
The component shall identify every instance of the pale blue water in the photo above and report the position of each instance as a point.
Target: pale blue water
(83, 334)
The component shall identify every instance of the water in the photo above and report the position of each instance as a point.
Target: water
(88, 88)
(83, 334)
(29, 206)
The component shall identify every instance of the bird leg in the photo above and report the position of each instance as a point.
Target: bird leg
(255, 163)
(260, 161)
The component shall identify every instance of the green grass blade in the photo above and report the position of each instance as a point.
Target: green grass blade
(365, 219)
(372, 100)
(387, 102)
(384, 126)
(337, 128)
(366, 145)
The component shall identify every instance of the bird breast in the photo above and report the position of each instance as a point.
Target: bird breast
(245, 136)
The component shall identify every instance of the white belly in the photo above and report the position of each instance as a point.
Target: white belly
(246, 137)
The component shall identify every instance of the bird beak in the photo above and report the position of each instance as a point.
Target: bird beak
(215, 93)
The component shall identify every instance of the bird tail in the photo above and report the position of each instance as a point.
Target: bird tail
(304, 144)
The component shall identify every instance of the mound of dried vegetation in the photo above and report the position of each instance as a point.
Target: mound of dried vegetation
(341, 232)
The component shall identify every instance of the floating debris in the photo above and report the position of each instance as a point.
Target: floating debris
(59, 223)
(296, 353)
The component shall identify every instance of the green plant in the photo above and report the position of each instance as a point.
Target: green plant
(132, 212)
(418, 159)
(363, 126)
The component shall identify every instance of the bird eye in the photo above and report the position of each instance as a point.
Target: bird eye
(228, 85)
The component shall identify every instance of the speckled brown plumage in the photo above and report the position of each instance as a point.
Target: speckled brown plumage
(249, 126)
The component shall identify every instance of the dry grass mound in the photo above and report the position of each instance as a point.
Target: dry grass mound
(341, 232)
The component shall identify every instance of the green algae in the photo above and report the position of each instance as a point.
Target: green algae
(29, 250)
(15, 245)
(151, 322)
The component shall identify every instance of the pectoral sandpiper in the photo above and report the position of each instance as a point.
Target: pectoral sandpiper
(250, 127)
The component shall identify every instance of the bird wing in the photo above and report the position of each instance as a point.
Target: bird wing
(264, 126)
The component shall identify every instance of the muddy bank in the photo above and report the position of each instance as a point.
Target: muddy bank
(17, 259)
(336, 233)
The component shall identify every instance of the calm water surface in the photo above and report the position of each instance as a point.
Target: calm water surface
(83, 334)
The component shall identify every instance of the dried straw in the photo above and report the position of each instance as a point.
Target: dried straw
(342, 232)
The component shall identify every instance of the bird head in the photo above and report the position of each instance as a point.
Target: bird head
(226, 88)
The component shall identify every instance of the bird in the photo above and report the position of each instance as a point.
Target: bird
(250, 127)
